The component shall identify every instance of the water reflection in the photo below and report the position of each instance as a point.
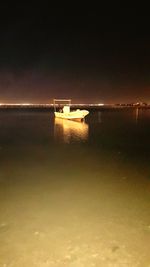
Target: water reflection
(136, 114)
(99, 116)
(67, 130)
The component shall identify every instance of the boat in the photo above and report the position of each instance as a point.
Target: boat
(65, 112)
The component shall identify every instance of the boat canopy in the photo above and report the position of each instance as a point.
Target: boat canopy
(62, 102)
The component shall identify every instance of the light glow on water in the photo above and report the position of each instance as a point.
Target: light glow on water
(68, 130)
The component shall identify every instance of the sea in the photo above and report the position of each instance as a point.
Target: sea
(75, 194)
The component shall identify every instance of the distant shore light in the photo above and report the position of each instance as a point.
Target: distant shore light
(26, 104)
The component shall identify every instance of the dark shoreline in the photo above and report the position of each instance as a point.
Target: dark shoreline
(88, 107)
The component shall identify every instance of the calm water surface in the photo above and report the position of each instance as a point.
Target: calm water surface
(75, 194)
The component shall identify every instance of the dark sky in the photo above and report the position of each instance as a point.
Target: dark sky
(90, 54)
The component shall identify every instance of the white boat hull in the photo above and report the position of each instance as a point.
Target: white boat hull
(72, 115)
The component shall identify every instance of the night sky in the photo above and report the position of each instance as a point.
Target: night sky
(88, 54)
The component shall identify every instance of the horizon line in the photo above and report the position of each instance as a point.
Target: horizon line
(75, 104)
